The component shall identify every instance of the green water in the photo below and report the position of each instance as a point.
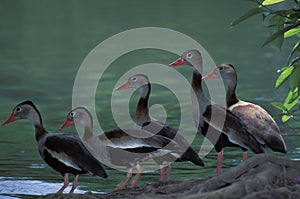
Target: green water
(43, 44)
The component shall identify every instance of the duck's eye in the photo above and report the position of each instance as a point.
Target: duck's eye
(72, 114)
(221, 68)
(189, 55)
(18, 109)
(134, 79)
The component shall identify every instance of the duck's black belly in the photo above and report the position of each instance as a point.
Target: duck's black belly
(60, 166)
(219, 140)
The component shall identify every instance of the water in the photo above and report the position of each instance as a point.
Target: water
(44, 43)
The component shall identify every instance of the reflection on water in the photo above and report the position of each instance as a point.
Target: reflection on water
(43, 45)
(19, 186)
(37, 166)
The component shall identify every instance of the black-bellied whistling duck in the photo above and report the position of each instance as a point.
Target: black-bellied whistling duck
(259, 122)
(63, 152)
(218, 124)
(122, 147)
(143, 120)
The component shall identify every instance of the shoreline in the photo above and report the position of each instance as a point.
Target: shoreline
(263, 175)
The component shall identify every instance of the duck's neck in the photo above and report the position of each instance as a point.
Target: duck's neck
(142, 111)
(87, 125)
(91, 141)
(231, 97)
(199, 100)
(88, 133)
(203, 101)
(36, 119)
(39, 132)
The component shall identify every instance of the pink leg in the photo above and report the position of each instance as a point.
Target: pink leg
(66, 182)
(137, 176)
(123, 183)
(74, 185)
(169, 171)
(220, 159)
(161, 172)
(245, 156)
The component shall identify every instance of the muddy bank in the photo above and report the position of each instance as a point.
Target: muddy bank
(263, 176)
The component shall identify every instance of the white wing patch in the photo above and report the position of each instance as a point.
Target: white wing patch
(158, 153)
(176, 155)
(64, 158)
(127, 144)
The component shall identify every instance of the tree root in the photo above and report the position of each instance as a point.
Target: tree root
(263, 176)
(256, 174)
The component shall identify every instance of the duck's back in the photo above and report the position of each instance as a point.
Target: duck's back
(260, 124)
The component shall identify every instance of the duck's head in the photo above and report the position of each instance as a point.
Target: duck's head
(24, 110)
(134, 81)
(224, 71)
(139, 81)
(190, 57)
(79, 115)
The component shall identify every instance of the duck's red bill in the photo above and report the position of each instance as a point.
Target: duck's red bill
(178, 62)
(9, 120)
(66, 124)
(210, 75)
(124, 86)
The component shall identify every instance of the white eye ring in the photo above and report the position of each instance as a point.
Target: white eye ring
(134, 79)
(72, 114)
(189, 55)
(18, 109)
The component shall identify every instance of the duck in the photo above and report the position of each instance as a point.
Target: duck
(259, 122)
(122, 147)
(144, 121)
(64, 153)
(218, 124)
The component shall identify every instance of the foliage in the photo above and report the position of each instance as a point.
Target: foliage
(282, 24)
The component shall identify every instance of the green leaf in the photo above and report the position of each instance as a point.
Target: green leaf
(277, 23)
(299, 89)
(280, 33)
(294, 14)
(279, 40)
(285, 13)
(284, 75)
(270, 2)
(279, 106)
(294, 78)
(296, 48)
(249, 13)
(291, 99)
(291, 32)
(285, 118)
(294, 61)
